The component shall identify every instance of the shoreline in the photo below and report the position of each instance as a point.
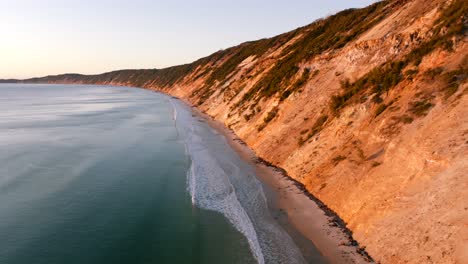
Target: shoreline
(294, 207)
(306, 214)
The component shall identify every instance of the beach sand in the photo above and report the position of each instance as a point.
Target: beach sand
(304, 217)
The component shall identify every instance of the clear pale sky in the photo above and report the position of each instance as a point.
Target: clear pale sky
(42, 37)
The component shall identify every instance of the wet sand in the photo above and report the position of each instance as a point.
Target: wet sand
(303, 216)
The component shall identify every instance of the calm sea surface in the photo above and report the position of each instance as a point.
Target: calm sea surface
(96, 174)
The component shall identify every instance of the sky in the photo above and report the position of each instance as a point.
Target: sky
(43, 37)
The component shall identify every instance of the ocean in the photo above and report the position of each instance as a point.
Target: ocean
(100, 174)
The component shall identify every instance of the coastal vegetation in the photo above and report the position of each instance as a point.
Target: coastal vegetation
(270, 116)
(289, 98)
(381, 79)
(333, 32)
(316, 128)
(420, 107)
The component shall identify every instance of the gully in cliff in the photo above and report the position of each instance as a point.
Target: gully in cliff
(346, 142)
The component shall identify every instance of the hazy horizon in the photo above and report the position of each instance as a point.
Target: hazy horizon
(52, 37)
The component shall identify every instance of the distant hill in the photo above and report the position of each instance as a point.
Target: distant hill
(9, 80)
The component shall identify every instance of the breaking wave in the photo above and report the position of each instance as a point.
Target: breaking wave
(219, 180)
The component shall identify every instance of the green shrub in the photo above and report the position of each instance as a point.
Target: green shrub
(331, 33)
(420, 108)
(380, 109)
(383, 78)
(434, 72)
(315, 73)
(240, 53)
(405, 119)
(379, 80)
(376, 99)
(316, 128)
(450, 23)
(454, 79)
(338, 159)
(298, 84)
(383, 107)
(285, 95)
(409, 74)
(272, 114)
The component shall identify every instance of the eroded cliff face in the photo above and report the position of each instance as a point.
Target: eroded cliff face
(367, 108)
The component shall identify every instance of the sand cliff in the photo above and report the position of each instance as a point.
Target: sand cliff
(367, 108)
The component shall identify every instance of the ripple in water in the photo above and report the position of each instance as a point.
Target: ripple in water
(219, 180)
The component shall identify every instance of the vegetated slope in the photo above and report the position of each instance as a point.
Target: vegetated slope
(367, 108)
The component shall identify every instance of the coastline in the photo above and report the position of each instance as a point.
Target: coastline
(301, 214)
(304, 217)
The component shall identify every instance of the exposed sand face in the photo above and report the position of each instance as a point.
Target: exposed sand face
(398, 179)
(302, 212)
(400, 187)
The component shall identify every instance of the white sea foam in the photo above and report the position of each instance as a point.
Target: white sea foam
(219, 180)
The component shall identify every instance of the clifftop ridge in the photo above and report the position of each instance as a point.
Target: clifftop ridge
(367, 108)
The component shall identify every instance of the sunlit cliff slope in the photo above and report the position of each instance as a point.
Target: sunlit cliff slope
(367, 108)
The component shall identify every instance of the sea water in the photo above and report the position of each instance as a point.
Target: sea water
(99, 174)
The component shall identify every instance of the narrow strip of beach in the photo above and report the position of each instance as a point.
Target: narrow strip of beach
(306, 219)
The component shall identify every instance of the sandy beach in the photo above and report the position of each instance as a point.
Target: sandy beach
(305, 218)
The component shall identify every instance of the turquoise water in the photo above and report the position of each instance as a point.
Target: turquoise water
(95, 174)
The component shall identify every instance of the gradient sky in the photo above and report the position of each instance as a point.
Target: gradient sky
(42, 37)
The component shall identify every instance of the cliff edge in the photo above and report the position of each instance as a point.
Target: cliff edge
(367, 108)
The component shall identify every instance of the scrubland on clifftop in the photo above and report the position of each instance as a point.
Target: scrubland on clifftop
(367, 108)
